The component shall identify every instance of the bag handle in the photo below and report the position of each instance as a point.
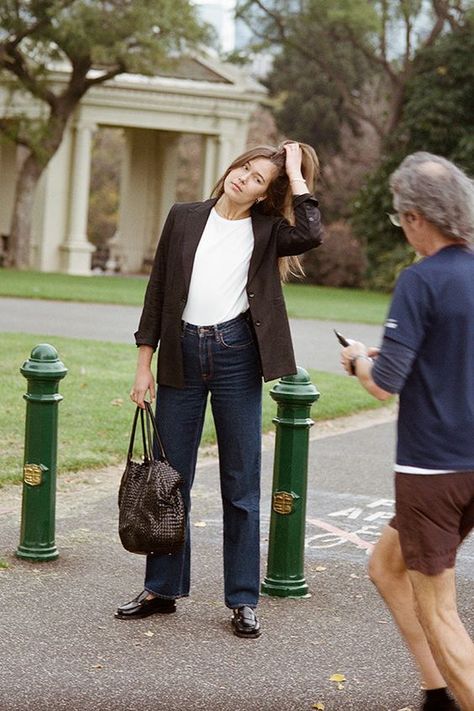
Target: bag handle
(146, 449)
(150, 419)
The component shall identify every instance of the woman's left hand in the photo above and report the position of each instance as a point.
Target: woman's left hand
(293, 160)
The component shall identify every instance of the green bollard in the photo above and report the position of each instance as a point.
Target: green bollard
(43, 371)
(285, 567)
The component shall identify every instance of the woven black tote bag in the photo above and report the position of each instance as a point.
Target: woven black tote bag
(151, 510)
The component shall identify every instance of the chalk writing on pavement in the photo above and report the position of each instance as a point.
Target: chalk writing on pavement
(355, 525)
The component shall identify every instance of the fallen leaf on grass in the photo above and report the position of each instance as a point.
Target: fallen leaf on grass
(118, 402)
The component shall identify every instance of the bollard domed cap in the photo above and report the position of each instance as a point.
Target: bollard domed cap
(43, 351)
(300, 378)
(43, 363)
(297, 388)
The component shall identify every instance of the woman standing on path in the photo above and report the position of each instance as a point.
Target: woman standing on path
(214, 303)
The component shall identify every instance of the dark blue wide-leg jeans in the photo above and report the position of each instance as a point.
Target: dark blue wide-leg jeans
(221, 360)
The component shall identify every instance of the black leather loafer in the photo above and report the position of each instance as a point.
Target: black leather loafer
(141, 607)
(245, 623)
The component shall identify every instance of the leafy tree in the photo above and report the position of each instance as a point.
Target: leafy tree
(438, 116)
(356, 57)
(110, 36)
(386, 248)
(309, 107)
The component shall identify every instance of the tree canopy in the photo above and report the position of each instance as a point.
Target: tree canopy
(368, 82)
(439, 106)
(307, 105)
(438, 116)
(359, 53)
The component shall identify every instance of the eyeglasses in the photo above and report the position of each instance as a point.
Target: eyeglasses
(394, 218)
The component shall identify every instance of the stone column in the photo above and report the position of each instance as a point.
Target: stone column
(227, 150)
(50, 218)
(77, 250)
(209, 175)
(165, 187)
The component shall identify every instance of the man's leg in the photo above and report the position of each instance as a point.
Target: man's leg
(388, 572)
(451, 646)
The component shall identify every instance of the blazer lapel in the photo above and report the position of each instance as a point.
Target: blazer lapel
(262, 229)
(194, 227)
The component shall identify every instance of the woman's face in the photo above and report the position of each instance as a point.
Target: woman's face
(249, 182)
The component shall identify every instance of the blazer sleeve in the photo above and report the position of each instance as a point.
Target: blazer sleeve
(149, 328)
(306, 233)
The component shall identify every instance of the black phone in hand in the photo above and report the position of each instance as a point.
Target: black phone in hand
(344, 342)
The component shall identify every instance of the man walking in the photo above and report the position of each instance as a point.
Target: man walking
(427, 356)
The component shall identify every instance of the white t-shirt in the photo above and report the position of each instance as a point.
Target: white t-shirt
(217, 291)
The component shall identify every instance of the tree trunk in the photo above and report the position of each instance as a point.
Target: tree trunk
(396, 103)
(19, 242)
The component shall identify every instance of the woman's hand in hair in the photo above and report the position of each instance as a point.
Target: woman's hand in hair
(293, 160)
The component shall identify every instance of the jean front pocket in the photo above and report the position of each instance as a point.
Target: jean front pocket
(236, 336)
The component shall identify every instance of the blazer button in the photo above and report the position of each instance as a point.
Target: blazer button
(251, 295)
(257, 323)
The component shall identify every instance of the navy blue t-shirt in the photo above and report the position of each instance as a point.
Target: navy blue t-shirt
(432, 313)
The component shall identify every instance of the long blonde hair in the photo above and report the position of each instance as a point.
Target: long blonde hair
(279, 199)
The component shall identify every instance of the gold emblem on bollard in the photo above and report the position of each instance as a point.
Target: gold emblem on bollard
(283, 502)
(33, 474)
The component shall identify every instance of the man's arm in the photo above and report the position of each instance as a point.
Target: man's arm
(386, 375)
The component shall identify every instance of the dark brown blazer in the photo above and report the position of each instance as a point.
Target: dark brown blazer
(168, 286)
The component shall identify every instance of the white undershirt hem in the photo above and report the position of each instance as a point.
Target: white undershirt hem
(404, 469)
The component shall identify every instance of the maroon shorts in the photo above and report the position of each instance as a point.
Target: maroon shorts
(433, 515)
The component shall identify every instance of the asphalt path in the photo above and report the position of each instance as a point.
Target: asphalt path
(314, 341)
(62, 650)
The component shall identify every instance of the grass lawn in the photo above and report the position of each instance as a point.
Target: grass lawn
(303, 301)
(63, 287)
(330, 304)
(95, 415)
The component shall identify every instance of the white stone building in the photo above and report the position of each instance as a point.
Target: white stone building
(208, 99)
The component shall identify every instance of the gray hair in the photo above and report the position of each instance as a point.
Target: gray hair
(437, 189)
